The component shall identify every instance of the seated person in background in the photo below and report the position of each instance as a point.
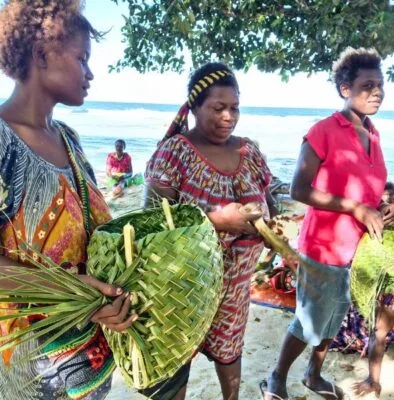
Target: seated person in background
(119, 169)
(388, 194)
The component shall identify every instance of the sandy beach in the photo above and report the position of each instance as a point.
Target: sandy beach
(264, 334)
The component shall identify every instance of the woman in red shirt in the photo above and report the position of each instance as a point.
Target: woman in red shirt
(340, 175)
(119, 168)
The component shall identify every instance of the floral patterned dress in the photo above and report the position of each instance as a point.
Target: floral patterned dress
(178, 164)
(40, 206)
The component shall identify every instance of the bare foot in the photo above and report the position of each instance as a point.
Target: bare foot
(367, 386)
(275, 388)
(324, 388)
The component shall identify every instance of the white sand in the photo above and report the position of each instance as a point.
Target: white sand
(264, 335)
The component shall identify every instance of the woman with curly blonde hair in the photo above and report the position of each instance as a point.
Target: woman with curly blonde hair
(49, 197)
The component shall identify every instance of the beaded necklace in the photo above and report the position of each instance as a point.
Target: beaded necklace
(82, 185)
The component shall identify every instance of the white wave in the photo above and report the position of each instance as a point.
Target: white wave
(279, 137)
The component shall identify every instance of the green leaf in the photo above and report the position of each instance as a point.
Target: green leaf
(307, 35)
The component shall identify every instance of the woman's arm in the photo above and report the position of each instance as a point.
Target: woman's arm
(109, 166)
(231, 219)
(301, 190)
(130, 166)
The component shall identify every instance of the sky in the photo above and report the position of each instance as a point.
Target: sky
(257, 88)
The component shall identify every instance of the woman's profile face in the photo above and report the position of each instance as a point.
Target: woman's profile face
(365, 94)
(217, 117)
(66, 75)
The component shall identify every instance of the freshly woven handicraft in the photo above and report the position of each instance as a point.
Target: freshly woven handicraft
(177, 277)
(372, 272)
(170, 260)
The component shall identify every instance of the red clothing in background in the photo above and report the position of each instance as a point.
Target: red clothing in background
(118, 166)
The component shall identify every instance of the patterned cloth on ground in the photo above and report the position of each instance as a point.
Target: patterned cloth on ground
(353, 337)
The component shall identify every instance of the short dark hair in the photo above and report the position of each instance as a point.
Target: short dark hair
(122, 142)
(389, 186)
(203, 71)
(345, 69)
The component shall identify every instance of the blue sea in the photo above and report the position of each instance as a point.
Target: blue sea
(278, 131)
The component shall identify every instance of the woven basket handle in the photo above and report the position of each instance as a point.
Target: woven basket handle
(129, 238)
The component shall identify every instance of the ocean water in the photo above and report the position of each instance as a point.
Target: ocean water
(278, 131)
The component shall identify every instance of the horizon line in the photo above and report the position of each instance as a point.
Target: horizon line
(178, 105)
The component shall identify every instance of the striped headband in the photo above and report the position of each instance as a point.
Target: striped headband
(179, 125)
(204, 83)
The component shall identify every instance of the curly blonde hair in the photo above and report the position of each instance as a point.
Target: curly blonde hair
(25, 23)
(345, 69)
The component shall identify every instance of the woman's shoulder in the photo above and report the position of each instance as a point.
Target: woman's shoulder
(14, 162)
(3, 124)
(246, 141)
(74, 142)
(7, 135)
(253, 154)
(333, 122)
(70, 133)
(178, 144)
(252, 147)
(178, 139)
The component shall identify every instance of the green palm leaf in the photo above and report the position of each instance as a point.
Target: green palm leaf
(372, 273)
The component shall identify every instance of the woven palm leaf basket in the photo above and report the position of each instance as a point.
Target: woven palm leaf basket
(176, 277)
(168, 258)
(372, 273)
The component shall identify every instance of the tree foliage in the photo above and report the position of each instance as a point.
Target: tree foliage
(288, 36)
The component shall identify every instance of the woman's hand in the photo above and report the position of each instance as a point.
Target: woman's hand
(371, 218)
(387, 212)
(231, 219)
(114, 316)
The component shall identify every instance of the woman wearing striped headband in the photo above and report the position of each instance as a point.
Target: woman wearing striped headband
(220, 172)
